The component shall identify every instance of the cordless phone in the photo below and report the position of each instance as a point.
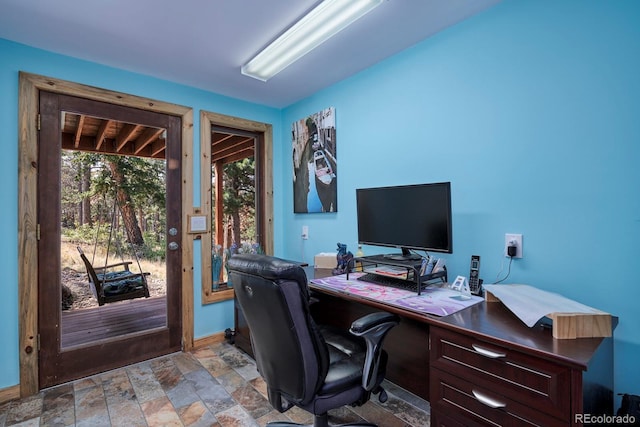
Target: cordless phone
(474, 275)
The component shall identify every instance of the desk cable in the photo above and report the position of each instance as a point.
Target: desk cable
(508, 273)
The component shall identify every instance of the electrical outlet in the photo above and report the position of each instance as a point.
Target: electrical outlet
(513, 240)
(305, 232)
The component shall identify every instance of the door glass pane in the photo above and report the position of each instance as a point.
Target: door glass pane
(112, 215)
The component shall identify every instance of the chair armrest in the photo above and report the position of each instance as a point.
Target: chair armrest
(365, 323)
(125, 264)
(373, 328)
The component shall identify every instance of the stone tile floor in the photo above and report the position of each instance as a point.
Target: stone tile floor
(217, 385)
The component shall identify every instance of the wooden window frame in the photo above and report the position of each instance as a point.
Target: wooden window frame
(207, 121)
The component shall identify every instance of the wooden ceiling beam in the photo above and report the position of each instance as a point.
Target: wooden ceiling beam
(218, 137)
(148, 136)
(218, 152)
(130, 140)
(238, 155)
(85, 143)
(78, 130)
(102, 131)
(158, 147)
(124, 136)
(230, 142)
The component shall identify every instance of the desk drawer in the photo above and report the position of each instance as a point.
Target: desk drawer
(466, 403)
(537, 383)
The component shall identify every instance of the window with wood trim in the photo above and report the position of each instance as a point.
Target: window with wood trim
(236, 176)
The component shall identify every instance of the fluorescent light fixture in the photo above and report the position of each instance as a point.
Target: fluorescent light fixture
(324, 21)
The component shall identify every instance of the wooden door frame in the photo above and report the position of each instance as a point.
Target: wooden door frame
(30, 86)
(265, 130)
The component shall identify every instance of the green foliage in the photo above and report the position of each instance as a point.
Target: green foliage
(152, 249)
(85, 235)
(239, 198)
(144, 183)
(239, 186)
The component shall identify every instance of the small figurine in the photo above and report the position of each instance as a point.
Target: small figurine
(345, 259)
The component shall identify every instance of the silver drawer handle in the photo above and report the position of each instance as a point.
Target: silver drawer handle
(488, 353)
(492, 403)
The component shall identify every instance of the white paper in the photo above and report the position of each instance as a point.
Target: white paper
(531, 304)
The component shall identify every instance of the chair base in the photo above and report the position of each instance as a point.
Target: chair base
(319, 421)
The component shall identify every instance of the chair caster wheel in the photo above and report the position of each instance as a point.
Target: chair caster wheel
(382, 397)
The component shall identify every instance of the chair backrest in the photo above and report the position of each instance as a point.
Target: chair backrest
(94, 283)
(290, 353)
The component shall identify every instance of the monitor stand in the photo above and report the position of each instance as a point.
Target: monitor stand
(406, 255)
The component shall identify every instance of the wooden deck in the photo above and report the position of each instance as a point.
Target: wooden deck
(112, 320)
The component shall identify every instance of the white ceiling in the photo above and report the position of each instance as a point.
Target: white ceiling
(203, 43)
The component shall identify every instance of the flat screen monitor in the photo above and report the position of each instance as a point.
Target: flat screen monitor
(409, 217)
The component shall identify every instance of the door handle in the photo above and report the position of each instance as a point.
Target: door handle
(173, 246)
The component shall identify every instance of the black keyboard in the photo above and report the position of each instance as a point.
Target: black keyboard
(378, 279)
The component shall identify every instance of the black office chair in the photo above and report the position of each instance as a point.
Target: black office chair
(310, 366)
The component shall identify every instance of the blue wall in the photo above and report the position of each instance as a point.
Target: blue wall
(16, 57)
(531, 110)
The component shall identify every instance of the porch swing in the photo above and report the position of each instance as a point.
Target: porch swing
(115, 282)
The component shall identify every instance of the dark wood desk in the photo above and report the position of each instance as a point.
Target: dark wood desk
(482, 356)
(485, 356)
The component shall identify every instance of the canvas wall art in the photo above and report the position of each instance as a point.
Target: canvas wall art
(314, 163)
